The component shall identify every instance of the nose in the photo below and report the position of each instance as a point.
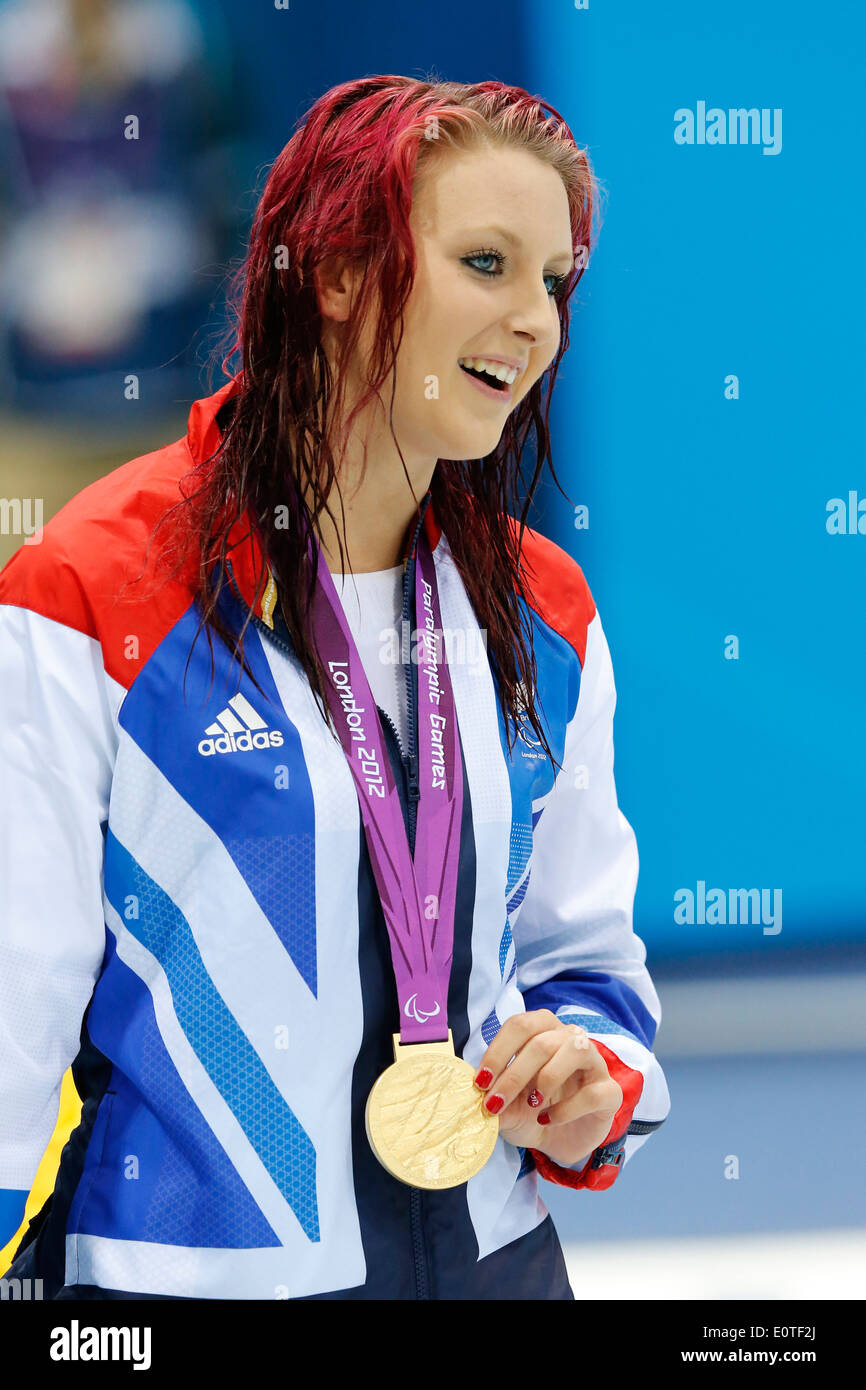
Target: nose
(532, 314)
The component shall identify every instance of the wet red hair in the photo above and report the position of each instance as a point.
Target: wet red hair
(342, 187)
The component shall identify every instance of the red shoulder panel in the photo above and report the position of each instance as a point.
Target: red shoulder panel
(557, 589)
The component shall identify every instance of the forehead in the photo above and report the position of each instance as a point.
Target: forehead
(457, 190)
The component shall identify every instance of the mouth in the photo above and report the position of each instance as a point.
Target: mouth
(494, 379)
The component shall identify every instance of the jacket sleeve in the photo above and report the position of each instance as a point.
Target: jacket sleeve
(57, 749)
(576, 951)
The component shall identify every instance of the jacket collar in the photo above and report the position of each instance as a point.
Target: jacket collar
(203, 437)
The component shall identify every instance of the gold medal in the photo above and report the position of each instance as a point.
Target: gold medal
(426, 1120)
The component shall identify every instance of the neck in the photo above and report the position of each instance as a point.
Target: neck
(373, 498)
(378, 510)
(375, 534)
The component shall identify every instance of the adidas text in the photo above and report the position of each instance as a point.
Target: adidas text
(241, 743)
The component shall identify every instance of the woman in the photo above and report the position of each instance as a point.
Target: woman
(260, 905)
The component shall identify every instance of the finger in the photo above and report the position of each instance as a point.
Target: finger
(576, 1056)
(514, 1033)
(530, 1100)
(520, 1113)
(523, 1068)
(602, 1097)
(518, 1123)
(573, 1062)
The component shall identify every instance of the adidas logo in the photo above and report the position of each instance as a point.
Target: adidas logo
(238, 729)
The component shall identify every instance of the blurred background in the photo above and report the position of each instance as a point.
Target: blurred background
(706, 430)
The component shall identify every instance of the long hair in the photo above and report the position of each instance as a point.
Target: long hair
(342, 186)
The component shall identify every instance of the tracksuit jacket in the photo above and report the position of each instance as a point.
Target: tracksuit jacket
(188, 917)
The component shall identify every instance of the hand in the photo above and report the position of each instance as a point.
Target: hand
(537, 1055)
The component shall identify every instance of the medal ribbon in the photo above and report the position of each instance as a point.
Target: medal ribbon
(418, 897)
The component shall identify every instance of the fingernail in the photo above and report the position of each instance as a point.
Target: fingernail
(543, 1119)
(494, 1104)
(483, 1079)
(534, 1098)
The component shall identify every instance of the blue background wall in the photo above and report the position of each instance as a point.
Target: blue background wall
(707, 515)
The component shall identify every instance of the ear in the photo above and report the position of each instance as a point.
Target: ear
(336, 282)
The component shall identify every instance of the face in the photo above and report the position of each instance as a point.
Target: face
(492, 236)
(493, 240)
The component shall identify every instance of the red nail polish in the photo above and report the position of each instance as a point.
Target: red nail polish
(544, 1119)
(483, 1079)
(534, 1098)
(494, 1104)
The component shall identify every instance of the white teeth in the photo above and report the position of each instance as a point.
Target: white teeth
(497, 369)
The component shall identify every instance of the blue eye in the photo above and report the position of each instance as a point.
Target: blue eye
(485, 256)
(558, 282)
(500, 259)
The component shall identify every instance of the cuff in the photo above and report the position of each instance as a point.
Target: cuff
(600, 1171)
(603, 1166)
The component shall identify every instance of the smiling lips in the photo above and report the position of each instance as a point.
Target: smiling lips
(497, 375)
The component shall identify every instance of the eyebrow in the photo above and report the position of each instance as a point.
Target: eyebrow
(515, 240)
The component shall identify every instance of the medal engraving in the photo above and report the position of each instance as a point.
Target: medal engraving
(426, 1121)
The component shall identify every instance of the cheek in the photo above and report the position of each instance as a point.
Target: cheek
(527, 385)
(427, 349)
(537, 369)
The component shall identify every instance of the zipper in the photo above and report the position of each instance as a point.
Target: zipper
(421, 1286)
(414, 788)
(383, 714)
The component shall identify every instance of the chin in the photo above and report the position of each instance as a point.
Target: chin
(471, 445)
